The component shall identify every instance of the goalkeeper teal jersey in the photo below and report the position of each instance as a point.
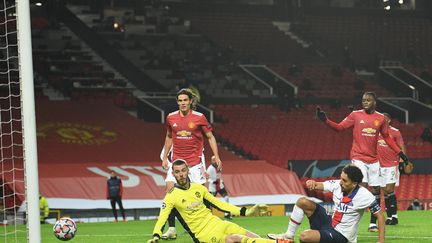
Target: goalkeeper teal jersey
(191, 211)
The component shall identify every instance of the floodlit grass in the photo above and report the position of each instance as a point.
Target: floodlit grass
(414, 226)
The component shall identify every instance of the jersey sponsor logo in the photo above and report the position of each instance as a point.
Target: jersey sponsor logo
(376, 123)
(368, 131)
(194, 206)
(183, 134)
(191, 125)
(198, 195)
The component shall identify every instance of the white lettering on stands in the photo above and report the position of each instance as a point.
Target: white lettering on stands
(132, 181)
(158, 179)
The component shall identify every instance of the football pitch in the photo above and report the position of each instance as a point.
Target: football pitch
(414, 226)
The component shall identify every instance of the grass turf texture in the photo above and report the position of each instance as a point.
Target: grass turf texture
(414, 226)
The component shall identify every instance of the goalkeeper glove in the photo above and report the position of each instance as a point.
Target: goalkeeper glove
(154, 240)
(321, 114)
(406, 168)
(256, 210)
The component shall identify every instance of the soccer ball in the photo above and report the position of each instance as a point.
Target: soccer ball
(65, 229)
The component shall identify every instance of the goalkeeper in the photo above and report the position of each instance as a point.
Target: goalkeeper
(186, 200)
(389, 171)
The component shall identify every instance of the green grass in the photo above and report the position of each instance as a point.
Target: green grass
(414, 226)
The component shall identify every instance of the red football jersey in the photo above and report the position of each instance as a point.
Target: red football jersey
(387, 157)
(187, 134)
(365, 134)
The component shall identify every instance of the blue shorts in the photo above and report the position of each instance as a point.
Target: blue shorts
(323, 223)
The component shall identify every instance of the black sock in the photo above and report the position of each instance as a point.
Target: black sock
(373, 219)
(171, 219)
(392, 204)
(387, 205)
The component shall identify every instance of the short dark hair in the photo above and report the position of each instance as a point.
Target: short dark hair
(354, 173)
(179, 162)
(371, 94)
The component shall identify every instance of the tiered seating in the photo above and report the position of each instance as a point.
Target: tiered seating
(413, 186)
(250, 35)
(61, 62)
(324, 83)
(423, 72)
(268, 133)
(169, 58)
(368, 36)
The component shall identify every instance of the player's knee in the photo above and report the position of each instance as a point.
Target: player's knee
(305, 236)
(303, 202)
(388, 191)
(375, 190)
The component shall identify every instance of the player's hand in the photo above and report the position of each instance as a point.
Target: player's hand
(321, 114)
(256, 210)
(219, 163)
(165, 164)
(154, 240)
(310, 184)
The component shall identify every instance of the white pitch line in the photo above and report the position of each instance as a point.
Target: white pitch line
(396, 237)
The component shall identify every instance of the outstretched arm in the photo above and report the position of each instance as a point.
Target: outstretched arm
(166, 149)
(381, 226)
(346, 123)
(335, 126)
(223, 206)
(314, 185)
(163, 216)
(214, 148)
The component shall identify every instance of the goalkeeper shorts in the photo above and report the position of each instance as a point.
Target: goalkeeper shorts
(217, 230)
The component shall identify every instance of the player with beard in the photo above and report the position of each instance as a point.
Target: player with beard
(186, 200)
(350, 202)
(186, 130)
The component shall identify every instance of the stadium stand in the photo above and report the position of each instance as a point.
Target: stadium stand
(391, 36)
(168, 43)
(268, 133)
(325, 80)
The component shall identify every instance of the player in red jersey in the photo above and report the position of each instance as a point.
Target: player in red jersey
(186, 129)
(367, 125)
(389, 163)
